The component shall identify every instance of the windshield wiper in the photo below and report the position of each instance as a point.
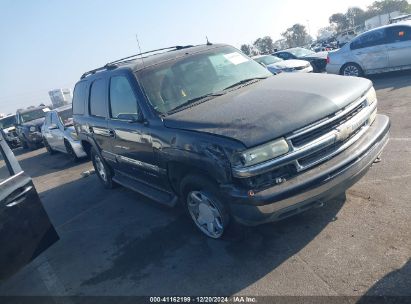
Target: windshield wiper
(194, 100)
(244, 81)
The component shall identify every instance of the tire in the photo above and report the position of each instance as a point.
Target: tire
(48, 148)
(70, 151)
(103, 171)
(352, 69)
(204, 206)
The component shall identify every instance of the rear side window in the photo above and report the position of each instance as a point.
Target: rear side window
(123, 102)
(79, 98)
(97, 103)
(398, 34)
(369, 39)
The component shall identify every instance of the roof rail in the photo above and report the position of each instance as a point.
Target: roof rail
(113, 64)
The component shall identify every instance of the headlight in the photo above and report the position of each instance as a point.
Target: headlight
(371, 96)
(74, 135)
(265, 152)
(32, 129)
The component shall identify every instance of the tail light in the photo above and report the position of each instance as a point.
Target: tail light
(328, 59)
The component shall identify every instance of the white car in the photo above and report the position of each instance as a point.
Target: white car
(384, 49)
(277, 65)
(59, 134)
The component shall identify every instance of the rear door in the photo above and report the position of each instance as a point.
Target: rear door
(25, 228)
(56, 133)
(399, 45)
(370, 50)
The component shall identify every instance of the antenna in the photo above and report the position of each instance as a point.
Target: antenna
(208, 42)
(139, 48)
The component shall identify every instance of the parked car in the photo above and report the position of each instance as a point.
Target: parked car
(25, 228)
(317, 60)
(8, 128)
(211, 127)
(277, 65)
(28, 127)
(384, 49)
(59, 134)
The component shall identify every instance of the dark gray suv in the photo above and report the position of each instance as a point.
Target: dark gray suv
(211, 128)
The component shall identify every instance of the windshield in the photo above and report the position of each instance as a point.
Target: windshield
(66, 117)
(33, 115)
(172, 84)
(267, 60)
(300, 52)
(7, 122)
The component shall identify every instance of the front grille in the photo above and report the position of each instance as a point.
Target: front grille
(305, 138)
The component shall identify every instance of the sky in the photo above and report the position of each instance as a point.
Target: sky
(48, 44)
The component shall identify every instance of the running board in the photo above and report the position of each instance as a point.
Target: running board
(157, 195)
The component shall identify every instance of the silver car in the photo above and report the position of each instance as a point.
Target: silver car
(59, 134)
(277, 65)
(384, 49)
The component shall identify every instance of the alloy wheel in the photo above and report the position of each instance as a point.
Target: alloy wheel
(351, 70)
(101, 170)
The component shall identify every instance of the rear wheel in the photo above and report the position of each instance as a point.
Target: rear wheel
(205, 207)
(352, 69)
(103, 171)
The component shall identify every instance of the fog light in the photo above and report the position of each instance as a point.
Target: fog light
(251, 193)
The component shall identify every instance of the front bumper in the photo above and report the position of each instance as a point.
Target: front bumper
(312, 187)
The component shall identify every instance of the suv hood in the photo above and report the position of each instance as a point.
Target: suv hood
(271, 108)
(291, 63)
(319, 55)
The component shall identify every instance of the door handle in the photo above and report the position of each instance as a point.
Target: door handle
(17, 198)
(90, 129)
(112, 133)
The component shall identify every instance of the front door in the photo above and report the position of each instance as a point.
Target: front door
(25, 228)
(399, 45)
(132, 143)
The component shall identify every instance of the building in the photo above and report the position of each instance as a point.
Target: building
(60, 97)
(380, 20)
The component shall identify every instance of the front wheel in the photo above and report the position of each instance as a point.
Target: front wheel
(352, 69)
(70, 151)
(205, 208)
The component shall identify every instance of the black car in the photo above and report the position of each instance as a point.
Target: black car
(25, 228)
(211, 128)
(28, 126)
(318, 60)
(8, 130)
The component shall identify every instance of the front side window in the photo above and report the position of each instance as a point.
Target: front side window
(66, 117)
(369, 39)
(123, 102)
(97, 103)
(174, 83)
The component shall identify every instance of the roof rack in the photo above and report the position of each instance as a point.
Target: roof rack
(113, 64)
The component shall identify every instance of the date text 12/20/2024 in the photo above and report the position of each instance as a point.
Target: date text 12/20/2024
(175, 299)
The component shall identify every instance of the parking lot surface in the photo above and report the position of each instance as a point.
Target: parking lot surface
(116, 242)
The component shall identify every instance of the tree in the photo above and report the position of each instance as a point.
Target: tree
(356, 16)
(296, 35)
(246, 49)
(389, 6)
(325, 33)
(264, 45)
(280, 44)
(340, 21)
